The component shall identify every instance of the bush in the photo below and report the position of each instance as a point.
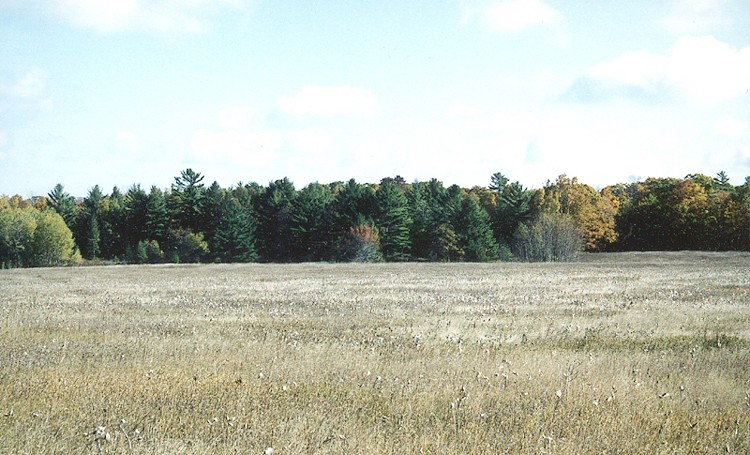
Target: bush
(361, 244)
(548, 238)
(186, 246)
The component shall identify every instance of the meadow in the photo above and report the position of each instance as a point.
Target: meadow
(619, 353)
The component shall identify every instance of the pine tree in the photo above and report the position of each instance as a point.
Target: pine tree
(513, 209)
(90, 236)
(721, 181)
(355, 206)
(156, 216)
(187, 197)
(93, 239)
(212, 211)
(64, 204)
(420, 214)
(498, 182)
(393, 221)
(234, 239)
(273, 230)
(312, 223)
(474, 231)
(136, 209)
(112, 225)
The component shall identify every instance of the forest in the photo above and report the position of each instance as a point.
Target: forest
(389, 221)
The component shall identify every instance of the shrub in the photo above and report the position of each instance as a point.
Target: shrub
(361, 244)
(548, 238)
(187, 246)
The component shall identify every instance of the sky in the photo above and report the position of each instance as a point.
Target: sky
(123, 92)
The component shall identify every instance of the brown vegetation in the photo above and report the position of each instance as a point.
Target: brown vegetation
(633, 353)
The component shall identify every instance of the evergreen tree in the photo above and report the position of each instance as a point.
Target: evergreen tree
(64, 204)
(433, 211)
(212, 210)
(355, 206)
(93, 238)
(420, 214)
(88, 233)
(393, 221)
(474, 231)
(187, 200)
(156, 216)
(234, 239)
(136, 209)
(513, 208)
(498, 182)
(721, 181)
(273, 229)
(312, 223)
(112, 225)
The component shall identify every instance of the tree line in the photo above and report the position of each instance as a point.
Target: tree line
(389, 221)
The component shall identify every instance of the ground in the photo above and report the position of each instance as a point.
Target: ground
(620, 353)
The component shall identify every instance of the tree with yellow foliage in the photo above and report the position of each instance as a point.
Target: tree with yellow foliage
(592, 212)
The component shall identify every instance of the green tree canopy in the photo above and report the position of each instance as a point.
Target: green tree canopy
(393, 221)
(35, 238)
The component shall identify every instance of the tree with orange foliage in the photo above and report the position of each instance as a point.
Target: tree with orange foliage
(592, 212)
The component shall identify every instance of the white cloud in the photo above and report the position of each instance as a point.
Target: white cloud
(512, 16)
(104, 16)
(30, 84)
(696, 16)
(330, 101)
(460, 110)
(238, 139)
(128, 142)
(516, 15)
(703, 70)
(238, 117)
(707, 70)
(313, 140)
(632, 68)
(164, 16)
(236, 148)
(731, 127)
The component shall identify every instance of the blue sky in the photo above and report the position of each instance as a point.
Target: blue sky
(120, 92)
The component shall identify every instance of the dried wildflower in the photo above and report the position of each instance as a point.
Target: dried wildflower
(268, 451)
(100, 434)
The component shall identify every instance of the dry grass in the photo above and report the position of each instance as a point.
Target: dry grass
(629, 353)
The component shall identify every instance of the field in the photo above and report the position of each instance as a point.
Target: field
(625, 353)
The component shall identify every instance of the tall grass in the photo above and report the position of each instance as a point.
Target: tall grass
(633, 353)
